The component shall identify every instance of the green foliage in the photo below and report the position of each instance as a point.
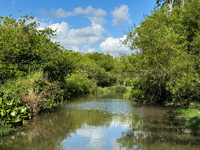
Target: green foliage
(187, 112)
(25, 49)
(192, 116)
(4, 129)
(194, 125)
(120, 89)
(78, 82)
(36, 73)
(33, 91)
(104, 68)
(106, 61)
(117, 89)
(166, 62)
(12, 110)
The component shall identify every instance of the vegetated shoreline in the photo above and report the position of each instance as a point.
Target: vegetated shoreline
(6, 129)
(36, 73)
(188, 118)
(185, 119)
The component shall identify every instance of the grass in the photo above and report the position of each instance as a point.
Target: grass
(187, 112)
(192, 117)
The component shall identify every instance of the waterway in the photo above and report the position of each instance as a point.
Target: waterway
(101, 122)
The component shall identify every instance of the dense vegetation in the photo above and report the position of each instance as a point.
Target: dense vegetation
(166, 62)
(36, 73)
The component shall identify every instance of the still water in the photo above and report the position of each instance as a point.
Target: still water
(101, 122)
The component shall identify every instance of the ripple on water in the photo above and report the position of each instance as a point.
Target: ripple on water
(119, 107)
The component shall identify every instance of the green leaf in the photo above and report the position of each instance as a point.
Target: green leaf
(16, 119)
(3, 112)
(10, 102)
(22, 110)
(13, 113)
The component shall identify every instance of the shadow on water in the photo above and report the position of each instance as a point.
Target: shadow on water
(103, 121)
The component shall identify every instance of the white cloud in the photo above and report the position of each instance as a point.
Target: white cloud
(90, 11)
(88, 35)
(61, 13)
(113, 46)
(87, 49)
(13, 2)
(72, 38)
(121, 15)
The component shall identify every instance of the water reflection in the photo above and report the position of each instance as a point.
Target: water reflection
(102, 122)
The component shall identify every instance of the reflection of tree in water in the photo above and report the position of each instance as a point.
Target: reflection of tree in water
(148, 130)
(155, 136)
(48, 133)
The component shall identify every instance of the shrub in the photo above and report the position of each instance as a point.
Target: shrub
(120, 89)
(78, 82)
(33, 91)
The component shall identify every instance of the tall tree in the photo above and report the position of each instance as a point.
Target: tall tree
(170, 3)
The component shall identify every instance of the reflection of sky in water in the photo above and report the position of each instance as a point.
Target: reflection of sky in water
(94, 138)
(112, 106)
(101, 137)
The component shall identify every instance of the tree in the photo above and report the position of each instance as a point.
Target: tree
(24, 49)
(170, 2)
(167, 65)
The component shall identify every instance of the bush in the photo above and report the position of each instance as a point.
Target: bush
(120, 89)
(34, 91)
(78, 82)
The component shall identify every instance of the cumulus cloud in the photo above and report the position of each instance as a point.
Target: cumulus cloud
(72, 38)
(113, 46)
(88, 35)
(121, 15)
(61, 13)
(90, 11)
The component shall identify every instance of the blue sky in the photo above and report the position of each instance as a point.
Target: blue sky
(85, 25)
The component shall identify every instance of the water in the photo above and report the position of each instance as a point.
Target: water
(101, 122)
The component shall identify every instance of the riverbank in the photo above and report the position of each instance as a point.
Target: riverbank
(18, 110)
(110, 117)
(188, 119)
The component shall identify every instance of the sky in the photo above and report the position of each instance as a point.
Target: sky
(84, 25)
